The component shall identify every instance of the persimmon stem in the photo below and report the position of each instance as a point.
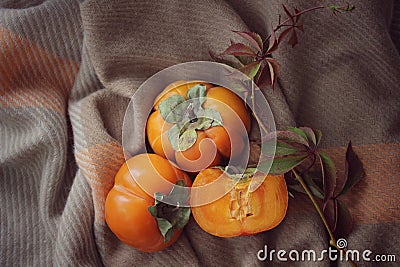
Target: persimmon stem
(333, 240)
(192, 115)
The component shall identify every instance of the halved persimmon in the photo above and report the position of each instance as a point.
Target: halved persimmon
(241, 211)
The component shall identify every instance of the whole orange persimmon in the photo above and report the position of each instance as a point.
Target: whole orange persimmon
(135, 216)
(195, 123)
(242, 211)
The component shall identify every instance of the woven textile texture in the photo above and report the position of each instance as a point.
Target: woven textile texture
(69, 68)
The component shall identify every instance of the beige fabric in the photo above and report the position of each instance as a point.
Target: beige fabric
(68, 69)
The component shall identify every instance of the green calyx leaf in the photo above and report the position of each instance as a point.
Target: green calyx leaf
(170, 217)
(166, 229)
(188, 116)
(197, 92)
(213, 115)
(237, 173)
(172, 109)
(181, 140)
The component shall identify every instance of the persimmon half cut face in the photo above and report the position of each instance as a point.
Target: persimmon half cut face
(240, 211)
(197, 125)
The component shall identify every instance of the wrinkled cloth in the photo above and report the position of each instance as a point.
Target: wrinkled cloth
(69, 68)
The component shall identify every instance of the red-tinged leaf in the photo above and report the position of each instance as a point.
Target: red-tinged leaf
(273, 42)
(283, 34)
(239, 49)
(354, 170)
(274, 68)
(300, 25)
(296, 11)
(293, 40)
(225, 60)
(344, 223)
(299, 132)
(331, 213)
(310, 135)
(339, 218)
(290, 16)
(329, 176)
(243, 59)
(264, 79)
(318, 136)
(253, 38)
(251, 69)
(291, 137)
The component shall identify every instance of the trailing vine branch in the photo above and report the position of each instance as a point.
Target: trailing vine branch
(332, 241)
(295, 145)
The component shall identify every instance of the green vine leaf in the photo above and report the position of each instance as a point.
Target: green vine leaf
(253, 38)
(225, 60)
(282, 165)
(315, 189)
(318, 136)
(251, 69)
(329, 177)
(284, 149)
(310, 134)
(239, 49)
(292, 137)
(243, 59)
(299, 132)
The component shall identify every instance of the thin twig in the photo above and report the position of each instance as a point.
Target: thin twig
(321, 214)
(282, 24)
